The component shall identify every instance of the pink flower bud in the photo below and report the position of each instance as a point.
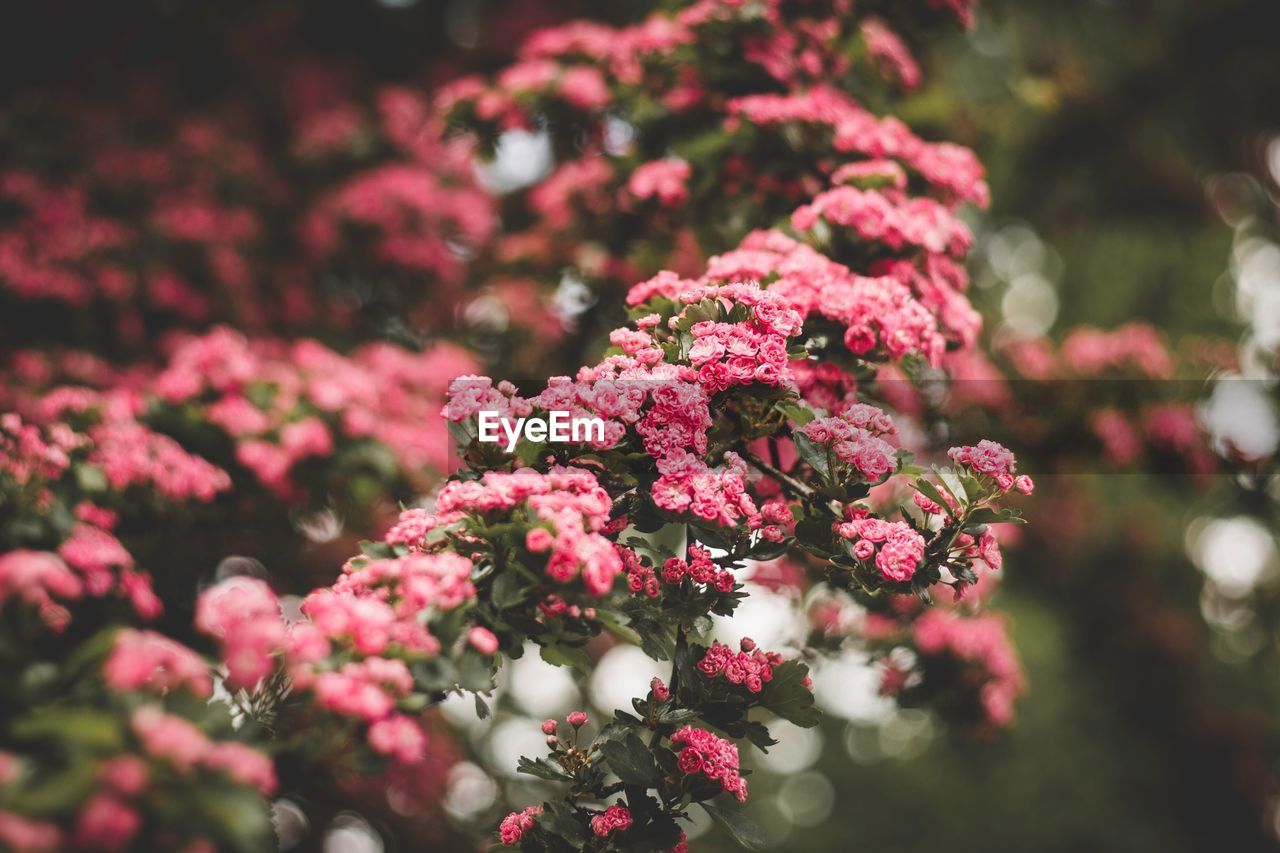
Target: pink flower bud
(483, 640)
(577, 719)
(549, 727)
(538, 539)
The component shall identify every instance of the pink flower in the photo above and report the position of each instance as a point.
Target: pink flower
(577, 719)
(584, 87)
(106, 823)
(171, 738)
(400, 737)
(900, 555)
(989, 458)
(549, 727)
(538, 539)
(242, 613)
(712, 756)
(125, 774)
(243, 763)
(689, 761)
(515, 825)
(483, 640)
(666, 180)
(29, 836)
(611, 820)
(147, 659)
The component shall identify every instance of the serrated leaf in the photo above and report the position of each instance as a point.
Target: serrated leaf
(787, 696)
(542, 769)
(631, 761)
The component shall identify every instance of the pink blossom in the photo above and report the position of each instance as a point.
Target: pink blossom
(515, 825)
(399, 737)
(244, 764)
(483, 640)
(171, 738)
(125, 774)
(147, 659)
(106, 823)
(611, 820)
(666, 180)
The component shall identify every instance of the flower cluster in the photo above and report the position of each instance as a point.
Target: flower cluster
(705, 754)
(244, 616)
(567, 507)
(715, 436)
(751, 667)
(515, 825)
(611, 820)
(183, 746)
(665, 180)
(195, 224)
(145, 659)
(375, 611)
(880, 314)
(981, 643)
(857, 438)
(893, 547)
(995, 461)
(285, 403)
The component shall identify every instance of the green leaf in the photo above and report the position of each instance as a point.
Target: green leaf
(740, 828)
(561, 655)
(797, 414)
(930, 491)
(814, 455)
(541, 768)
(79, 726)
(463, 432)
(987, 515)
(509, 589)
(475, 672)
(631, 760)
(952, 483)
(376, 550)
(788, 697)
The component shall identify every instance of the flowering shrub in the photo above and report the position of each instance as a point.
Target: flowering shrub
(743, 423)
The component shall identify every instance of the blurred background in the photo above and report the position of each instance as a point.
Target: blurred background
(1133, 151)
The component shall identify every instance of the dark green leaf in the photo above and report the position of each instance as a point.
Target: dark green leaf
(788, 697)
(631, 760)
(740, 828)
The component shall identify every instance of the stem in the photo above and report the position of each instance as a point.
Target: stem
(673, 683)
(783, 478)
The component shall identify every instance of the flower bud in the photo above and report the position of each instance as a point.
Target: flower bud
(577, 719)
